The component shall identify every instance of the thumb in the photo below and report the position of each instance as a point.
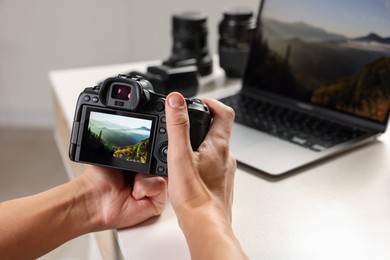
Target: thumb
(177, 125)
(149, 187)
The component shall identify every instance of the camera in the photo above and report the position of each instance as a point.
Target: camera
(121, 123)
(166, 79)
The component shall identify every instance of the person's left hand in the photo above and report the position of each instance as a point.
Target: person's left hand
(116, 202)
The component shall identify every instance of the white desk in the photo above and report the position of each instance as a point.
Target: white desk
(338, 209)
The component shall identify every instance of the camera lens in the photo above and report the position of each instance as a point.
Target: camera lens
(235, 30)
(190, 42)
(121, 92)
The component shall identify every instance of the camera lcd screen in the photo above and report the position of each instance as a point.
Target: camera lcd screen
(119, 139)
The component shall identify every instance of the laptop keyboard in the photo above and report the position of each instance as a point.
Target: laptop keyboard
(297, 127)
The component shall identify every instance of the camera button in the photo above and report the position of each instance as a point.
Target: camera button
(160, 169)
(159, 106)
(195, 100)
(163, 152)
(163, 120)
(162, 130)
(87, 98)
(95, 99)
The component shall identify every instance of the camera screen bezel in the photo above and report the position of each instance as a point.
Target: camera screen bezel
(115, 162)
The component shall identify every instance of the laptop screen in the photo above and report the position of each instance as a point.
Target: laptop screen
(334, 54)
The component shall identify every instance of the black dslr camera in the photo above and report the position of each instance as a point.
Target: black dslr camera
(121, 124)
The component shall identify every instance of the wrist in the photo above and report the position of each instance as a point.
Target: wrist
(190, 216)
(87, 201)
(209, 234)
(202, 221)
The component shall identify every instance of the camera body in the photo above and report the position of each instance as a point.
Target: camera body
(166, 79)
(121, 124)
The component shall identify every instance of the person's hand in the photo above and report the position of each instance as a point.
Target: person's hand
(200, 183)
(204, 177)
(101, 198)
(115, 201)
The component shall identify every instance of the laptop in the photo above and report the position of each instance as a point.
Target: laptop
(317, 83)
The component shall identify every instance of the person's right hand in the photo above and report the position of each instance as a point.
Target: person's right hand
(200, 183)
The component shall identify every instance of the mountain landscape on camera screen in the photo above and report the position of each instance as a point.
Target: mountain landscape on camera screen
(325, 68)
(117, 135)
(113, 140)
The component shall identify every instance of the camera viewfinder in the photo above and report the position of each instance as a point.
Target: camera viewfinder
(121, 92)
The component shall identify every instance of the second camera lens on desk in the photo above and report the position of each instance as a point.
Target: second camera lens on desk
(236, 32)
(190, 42)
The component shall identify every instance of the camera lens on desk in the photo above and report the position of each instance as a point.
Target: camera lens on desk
(190, 42)
(235, 31)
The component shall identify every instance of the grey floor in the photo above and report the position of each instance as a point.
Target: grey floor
(30, 163)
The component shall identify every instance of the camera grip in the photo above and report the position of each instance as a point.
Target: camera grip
(199, 126)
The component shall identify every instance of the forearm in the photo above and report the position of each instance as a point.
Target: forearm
(99, 199)
(32, 226)
(210, 237)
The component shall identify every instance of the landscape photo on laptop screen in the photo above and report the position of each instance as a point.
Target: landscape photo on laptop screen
(333, 53)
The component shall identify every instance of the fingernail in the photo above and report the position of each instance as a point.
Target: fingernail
(175, 100)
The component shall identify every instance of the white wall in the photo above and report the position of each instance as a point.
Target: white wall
(42, 35)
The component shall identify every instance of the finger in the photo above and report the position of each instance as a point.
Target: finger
(148, 187)
(223, 119)
(179, 144)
